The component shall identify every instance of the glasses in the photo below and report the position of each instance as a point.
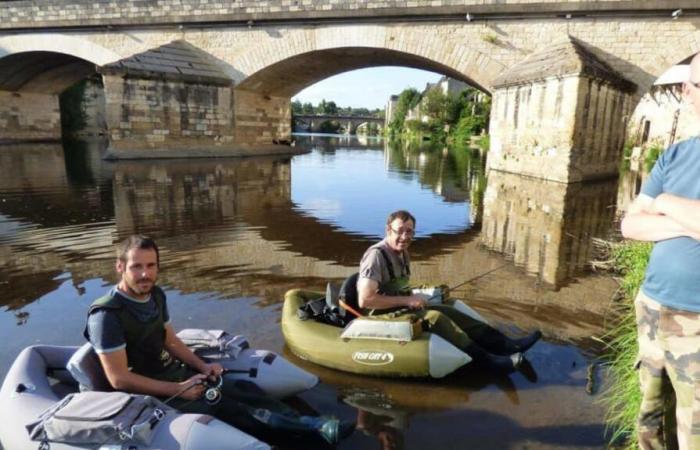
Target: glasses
(402, 232)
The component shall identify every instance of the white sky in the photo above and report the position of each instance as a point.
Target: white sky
(369, 88)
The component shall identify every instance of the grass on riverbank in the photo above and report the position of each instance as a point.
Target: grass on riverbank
(629, 259)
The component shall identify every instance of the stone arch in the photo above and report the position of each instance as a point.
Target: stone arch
(57, 43)
(310, 55)
(47, 63)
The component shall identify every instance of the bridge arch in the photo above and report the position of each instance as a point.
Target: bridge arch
(47, 63)
(283, 67)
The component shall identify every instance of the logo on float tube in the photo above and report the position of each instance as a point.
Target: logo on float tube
(373, 357)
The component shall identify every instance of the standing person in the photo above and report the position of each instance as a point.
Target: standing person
(667, 212)
(381, 288)
(136, 344)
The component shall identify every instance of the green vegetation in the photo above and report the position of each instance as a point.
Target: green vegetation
(439, 117)
(651, 155)
(623, 398)
(408, 99)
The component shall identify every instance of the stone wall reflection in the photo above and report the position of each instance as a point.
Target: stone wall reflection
(546, 226)
(174, 196)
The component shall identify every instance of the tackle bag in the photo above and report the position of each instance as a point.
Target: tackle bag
(99, 418)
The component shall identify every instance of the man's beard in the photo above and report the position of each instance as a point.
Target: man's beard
(139, 290)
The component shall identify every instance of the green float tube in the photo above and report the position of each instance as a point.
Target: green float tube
(368, 346)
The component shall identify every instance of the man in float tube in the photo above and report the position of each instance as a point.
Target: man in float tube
(380, 288)
(667, 212)
(130, 330)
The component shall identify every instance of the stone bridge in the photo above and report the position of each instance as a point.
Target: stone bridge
(348, 124)
(197, 77)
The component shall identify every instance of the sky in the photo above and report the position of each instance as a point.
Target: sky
(369, 88)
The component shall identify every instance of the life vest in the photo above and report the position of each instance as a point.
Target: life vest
(145, 341)
(395, 285)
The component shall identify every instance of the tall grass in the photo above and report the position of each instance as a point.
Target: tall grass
(623, 398)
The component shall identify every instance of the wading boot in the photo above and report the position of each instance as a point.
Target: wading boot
(524, 343)
(498, 362)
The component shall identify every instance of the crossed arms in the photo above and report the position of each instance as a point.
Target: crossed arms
(664, 217)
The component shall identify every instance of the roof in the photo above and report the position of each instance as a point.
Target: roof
(177, 60)
(562, 59)
(675, 75)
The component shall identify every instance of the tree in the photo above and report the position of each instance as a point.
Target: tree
(407, 98)
(308, 108)
(297, 108)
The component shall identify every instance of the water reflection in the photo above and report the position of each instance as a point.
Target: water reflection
(237, 233)
(545, 226)
(353, 188)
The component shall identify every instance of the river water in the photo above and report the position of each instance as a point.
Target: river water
(235, 234)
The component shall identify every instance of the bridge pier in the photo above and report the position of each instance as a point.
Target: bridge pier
(173, 101)
(28, 116)
(558, 120)
(560, 115)
(261, 119)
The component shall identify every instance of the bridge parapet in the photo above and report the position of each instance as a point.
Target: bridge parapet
(86, 13)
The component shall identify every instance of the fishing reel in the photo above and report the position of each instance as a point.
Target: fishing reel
(212, 393)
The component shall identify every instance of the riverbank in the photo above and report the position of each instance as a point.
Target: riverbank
(628, 259)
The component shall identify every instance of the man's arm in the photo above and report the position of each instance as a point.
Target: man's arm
(179, 350)
(645, 221)
(370, 298)
(685, 211)
(121, 378)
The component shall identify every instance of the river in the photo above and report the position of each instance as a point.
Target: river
(235, 234)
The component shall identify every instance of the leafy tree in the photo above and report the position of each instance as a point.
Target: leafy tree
(407, 98)
(297, 108)
(308, 108)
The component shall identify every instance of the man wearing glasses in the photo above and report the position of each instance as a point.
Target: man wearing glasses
(382, 289)
(667, 212)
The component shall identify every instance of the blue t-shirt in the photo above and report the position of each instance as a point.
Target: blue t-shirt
(673, 273)
(105, 330)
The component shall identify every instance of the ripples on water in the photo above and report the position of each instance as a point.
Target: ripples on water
(236, 234)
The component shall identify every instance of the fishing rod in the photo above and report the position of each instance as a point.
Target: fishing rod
(452, 288)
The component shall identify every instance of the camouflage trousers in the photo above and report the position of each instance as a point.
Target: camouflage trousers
(669, 374)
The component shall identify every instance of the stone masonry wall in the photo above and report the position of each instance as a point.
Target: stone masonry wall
(261, 119)
(14, 14)
(564, 129)
(154, 115)
(28, 117)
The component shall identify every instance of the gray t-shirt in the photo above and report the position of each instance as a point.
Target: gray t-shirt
(374, 267)
(673, 273)
(105, 330)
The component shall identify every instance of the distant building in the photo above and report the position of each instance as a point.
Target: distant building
(662, 116)
(448, 86)
(390, 110)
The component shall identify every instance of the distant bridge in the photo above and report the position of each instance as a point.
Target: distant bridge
(348, 124)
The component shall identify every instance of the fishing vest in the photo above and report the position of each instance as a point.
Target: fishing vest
(145, 341)
(395, 285)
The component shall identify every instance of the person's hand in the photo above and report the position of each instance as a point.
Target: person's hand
(197, 387)
(213, 370)
(416, 302)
